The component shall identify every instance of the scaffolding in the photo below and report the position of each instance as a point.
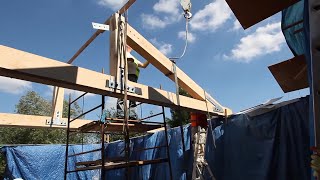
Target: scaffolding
(102, 127)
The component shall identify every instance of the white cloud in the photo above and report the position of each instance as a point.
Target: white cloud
(74, 93)
(166, 13)
(265, 40)
(112, 4)
(167, 6)
(151, 21)
(236, 25)
(111, 103)
(14, 86)
(191, 36)
(211, 17)
(165, 48)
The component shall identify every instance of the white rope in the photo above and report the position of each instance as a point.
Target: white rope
(186, 42)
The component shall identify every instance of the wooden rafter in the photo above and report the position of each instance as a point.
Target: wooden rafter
(26, 66)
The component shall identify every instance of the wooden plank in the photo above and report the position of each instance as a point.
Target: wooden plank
(121, 120)
(98, 162)
(126, 6)
(26, 66)
(31, 121)
(162, 63)
(291, 74)
(118, 127)
(88, 163)
(156, 130)
(94, 126)
(250, 12)
(119, 165)
(98, 32)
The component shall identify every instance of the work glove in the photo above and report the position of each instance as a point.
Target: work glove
(315, 161)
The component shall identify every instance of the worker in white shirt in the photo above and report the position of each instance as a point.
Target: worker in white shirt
(134, 66)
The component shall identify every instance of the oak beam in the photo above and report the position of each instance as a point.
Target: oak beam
(26, 66)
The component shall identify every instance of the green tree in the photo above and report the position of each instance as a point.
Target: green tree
(179, 115)
(33, 104)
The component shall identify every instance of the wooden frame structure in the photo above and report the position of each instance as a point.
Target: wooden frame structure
(26, 66)
(30, 67)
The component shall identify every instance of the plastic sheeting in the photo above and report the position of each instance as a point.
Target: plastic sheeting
(290, 28)
(299, 43)
(274, 145)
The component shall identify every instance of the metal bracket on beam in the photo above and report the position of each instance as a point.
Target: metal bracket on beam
(99, 26)
(56, 121)
(112, 84)
(217, 108)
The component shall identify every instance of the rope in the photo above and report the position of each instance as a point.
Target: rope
(186, 42)
(82, 104)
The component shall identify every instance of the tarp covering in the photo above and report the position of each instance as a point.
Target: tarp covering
(274, 145)
(300, 43)
(292, 22)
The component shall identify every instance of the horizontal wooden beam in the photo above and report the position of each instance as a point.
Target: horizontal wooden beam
(31, 121)
(30, 67)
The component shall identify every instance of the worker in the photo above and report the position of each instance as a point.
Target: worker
(198, 120)
(134, 66)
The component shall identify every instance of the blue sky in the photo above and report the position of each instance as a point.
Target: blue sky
(228, 62)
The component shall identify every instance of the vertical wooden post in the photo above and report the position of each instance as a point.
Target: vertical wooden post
(114, 58)
(57, 102)
(67, 143)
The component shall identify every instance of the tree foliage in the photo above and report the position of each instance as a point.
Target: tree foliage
(179, 115)
(33, 104)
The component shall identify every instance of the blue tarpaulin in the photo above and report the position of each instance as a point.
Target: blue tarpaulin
(274, 145)
(291, 23)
